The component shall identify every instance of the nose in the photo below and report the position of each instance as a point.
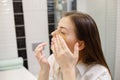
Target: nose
(55, 32)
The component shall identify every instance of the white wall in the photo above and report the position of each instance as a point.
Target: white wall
(97, 9)
(110, 37)
(36, 29)
(104, 13)
(8, 47)
(82, 5)
(117, 60)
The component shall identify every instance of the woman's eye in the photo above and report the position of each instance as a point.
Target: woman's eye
(62, 32)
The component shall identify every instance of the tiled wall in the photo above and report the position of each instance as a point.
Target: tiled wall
(51, 18)
(36, 30)
(20, 30)
(8, 47)
(55, 11)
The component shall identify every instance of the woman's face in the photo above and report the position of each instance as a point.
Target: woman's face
(66, 29)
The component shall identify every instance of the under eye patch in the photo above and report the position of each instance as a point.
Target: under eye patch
(64, 37)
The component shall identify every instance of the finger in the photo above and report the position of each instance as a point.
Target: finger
(60, 42)
(64, 45)
(52, 47)
(41, 59)
(59, 45)
(39, 49)
(54, 51)
(38, 56)
(56, 45)
(40, 45)
(76, 49)
(38, 52)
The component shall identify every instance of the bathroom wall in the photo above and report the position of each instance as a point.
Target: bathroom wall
(8, 47)
(36, 29)
(117, 60)
(110, 33)
(81, 5)
(104, 13)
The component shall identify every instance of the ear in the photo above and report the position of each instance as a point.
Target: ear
(81, 45)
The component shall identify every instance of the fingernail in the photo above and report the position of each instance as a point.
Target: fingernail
(77, 43)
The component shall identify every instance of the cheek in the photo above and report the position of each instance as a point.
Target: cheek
(70, 43)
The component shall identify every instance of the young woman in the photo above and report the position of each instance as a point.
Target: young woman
(77, 52)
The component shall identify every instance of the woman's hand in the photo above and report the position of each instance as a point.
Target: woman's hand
(64, 57)
(45, 67)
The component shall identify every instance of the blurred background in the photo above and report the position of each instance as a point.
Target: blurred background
(26, 23)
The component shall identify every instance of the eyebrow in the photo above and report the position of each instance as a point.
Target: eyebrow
(62, 27)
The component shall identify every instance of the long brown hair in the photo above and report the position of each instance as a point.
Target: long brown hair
(87, 31)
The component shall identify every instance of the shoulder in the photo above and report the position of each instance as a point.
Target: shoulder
(97, 72)
(97, 68)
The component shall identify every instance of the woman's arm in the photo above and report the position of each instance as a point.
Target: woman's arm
(44, 65)
(69, 74)
(43, 75)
